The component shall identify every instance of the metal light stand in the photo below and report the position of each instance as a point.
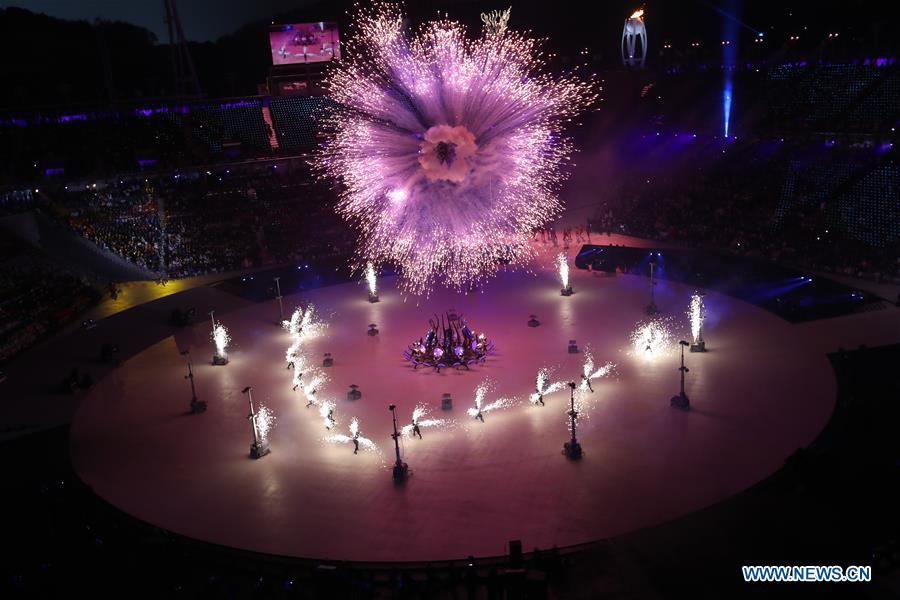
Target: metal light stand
(651, 308)
(278, 297)
(401, 469)
(197, 406)
(572, 449)
(681, 400)
(258, 448)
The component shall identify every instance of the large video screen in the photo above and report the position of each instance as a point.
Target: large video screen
(304, 43)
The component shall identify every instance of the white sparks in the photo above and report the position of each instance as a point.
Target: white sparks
(371, 280)
(589, 373)
(221, 339)
(697, 315)
(365, 444)
(543, 386)
(304, 324)
(418, 413)
(449, 150)
(650, 339)
(264, 422)
(326, 411)
(562, 265)
(480, 407)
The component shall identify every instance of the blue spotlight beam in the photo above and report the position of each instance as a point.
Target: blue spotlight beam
(729, 57)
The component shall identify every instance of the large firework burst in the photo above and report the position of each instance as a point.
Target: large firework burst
(449, 149)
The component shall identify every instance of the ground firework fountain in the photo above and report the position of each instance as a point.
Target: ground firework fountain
(562, 266)
(697, 315)
(436, 127)
(221, 339)
(372, 282)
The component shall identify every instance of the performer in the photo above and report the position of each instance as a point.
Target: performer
(330, 419)
(356, 443)
(586, 382)
(416, 430)
(480, 416)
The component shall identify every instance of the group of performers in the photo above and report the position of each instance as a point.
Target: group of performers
(449, 342)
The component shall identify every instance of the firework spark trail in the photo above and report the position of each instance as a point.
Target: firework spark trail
(697, 315)
(265, 421)
(326, 411)
(312, 387)
(450, 151)
(365, 444)
(222, 339)
(420, 411)
(652, 338)
(543, 387)
(304, 324)
(588, 372)
(298, 363)
(562, 265)
(480, 407)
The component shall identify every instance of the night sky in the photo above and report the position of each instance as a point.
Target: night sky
(202, 20)
(596, 23)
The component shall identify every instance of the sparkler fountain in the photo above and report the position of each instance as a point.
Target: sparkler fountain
(261, 422)
(563, 267)
(588, 372)
(432, 127)
(572, 449)
(197, 406)
(221, 338)
(311, 388)
(372, 282)
(543, 386)
(401, 469)
(697, 314)
(414, 427)
(303, 325)
(356, 438)
(480, 407)
(681, 400)
(326, 411)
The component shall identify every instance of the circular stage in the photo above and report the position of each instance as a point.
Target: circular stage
(758, 394)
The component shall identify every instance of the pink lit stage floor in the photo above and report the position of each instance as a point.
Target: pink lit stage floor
(760, 392)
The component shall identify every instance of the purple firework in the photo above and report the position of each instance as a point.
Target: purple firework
(450, 150)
